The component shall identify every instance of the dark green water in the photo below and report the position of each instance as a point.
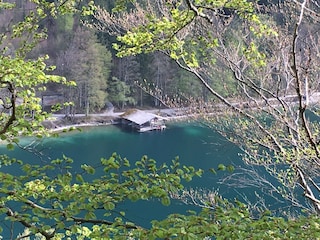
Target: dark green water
(194, 144)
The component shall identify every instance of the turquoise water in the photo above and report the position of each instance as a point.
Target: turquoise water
(195, 145)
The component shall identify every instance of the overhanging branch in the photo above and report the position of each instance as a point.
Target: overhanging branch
(12, 214)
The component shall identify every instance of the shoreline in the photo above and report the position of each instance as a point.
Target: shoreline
(64, 124)
(66, 128)
(59, 123)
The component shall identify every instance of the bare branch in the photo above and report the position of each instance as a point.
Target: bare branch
(307, 190)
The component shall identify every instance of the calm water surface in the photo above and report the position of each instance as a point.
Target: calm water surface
(194, 144)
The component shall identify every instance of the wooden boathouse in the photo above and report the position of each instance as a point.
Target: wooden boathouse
(142, 121)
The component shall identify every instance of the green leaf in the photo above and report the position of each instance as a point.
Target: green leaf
(165, 201)
(133, 197)
(213, 170)
(74, 229)
(109, 206)
(160, 233)
(10, 146)
(90, 215)
(221, 167)
(230, 168)
(60, 225)
(79, 178)
(88, 169)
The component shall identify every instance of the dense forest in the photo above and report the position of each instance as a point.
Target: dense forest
(87, 57)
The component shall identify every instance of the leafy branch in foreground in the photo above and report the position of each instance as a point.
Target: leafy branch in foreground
(60, 205)
(22, 77)
(87, 204)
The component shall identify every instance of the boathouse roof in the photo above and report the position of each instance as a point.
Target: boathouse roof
(138, 116)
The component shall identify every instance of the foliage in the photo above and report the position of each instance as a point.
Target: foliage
(163, 33)
(272, 56)
(179, 29)
(90, 63)
(87, 204)
(119, 93)
(57, 203)
(233, 221)
(98, 81)
(22, 78)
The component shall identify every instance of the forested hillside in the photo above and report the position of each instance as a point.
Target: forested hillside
(86, 56)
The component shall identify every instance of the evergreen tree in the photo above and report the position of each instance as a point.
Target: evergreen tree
(88, 63)
(119, 93)
(128, 70)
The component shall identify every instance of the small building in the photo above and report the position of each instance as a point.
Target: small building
(142, 121)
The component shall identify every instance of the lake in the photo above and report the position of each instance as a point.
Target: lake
(193, 143)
